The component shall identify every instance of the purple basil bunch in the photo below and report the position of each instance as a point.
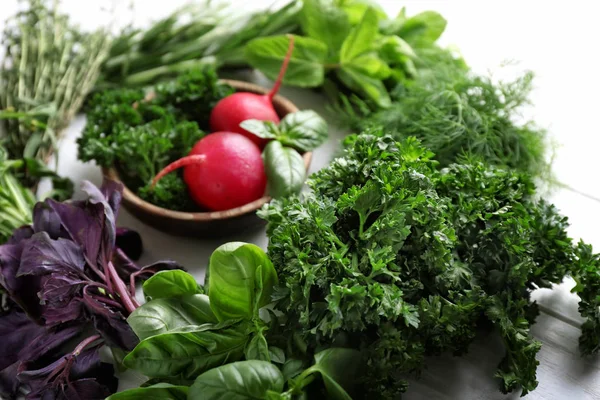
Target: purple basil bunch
(69, 285)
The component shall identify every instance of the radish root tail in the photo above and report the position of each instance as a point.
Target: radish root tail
(193, 159)
(283, 69)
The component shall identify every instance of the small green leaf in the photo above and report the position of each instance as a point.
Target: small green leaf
(306, 66)
(233, 286)
(362, 37)
(285, 170)
(304, 130)
(162, 315)
(355, 9)
(160, 391)
(425, 27)
(244, 380)
(370, 65)
(257, 348)
(169, 284)
(324, 20)
(394, 49)
(372, 88)
(277, 355)
(262, 129)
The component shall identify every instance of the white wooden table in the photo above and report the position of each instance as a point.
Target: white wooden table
(558, 41)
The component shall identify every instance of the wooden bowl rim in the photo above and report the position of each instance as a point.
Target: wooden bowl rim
(131, 198)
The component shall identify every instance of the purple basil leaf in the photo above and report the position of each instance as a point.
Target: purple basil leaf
(163, 265)
(109, 232)
(23, 290)
(9, 384)
(85, 389)
(17, 331)
(85, 224)
(55, 288)
(109, 323)
(56, 314)
(19, 234)
(42, 255)
(50, 340)
(88, 365)
(124, 265)
(130, 242)
(46, 220)
(113, 193)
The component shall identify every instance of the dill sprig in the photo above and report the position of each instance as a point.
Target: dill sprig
(457, 113)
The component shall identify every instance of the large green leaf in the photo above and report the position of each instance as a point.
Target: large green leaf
(244, 380)
(160, 391)
(236, 290)
(285, 170)
(306, 66)
(189, 351)
(169, 284)
(362, 37)
(372, 88)
(161, 315)
(425, 27)
(325, 21)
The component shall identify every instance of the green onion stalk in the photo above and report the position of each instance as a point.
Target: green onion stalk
(194, 36)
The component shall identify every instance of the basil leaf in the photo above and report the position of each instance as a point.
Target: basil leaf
(306, 67)
(370, 87)
(160, 391)
(276, 355)
(423, 28)
(394, 49)
(304, 130)
(370, 65)
(324, 20)
(233, 280)
(257, 348)
(339, 368)
(285, 170)
(169, 284)
(190, 351)
(355, 9)
(162, 315)
(262, 129)
(362, 37)
(244, 380)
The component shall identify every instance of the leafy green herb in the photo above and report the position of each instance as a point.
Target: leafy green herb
(48, 70)
(306, 66)
(140, 133)
(160, 391)
(404, 260)
(285, 170)
(456, 113)
(170, 283)
(303, 130)
(241, 279)
(242, 380)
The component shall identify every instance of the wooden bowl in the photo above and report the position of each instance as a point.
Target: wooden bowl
(210, 224)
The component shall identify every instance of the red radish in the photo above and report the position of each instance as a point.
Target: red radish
(231, 111)
(224, 170)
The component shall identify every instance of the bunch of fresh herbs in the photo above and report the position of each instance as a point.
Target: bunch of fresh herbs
(65, 279)
(140, 132)
(457, 113)
(393, 256)
(195, 36)
(48, 69)
(198, 346)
